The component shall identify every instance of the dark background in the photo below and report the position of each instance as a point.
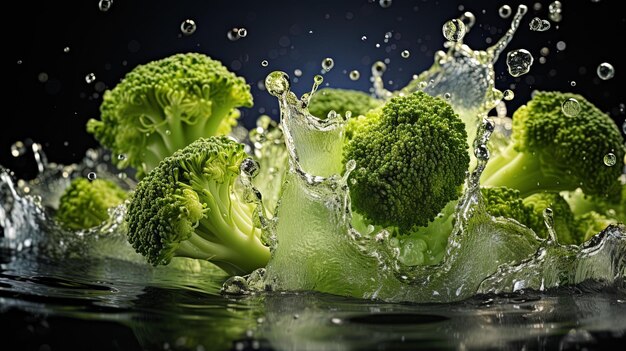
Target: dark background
(49, 100)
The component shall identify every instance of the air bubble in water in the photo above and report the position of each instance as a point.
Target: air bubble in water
(384, 3)
(328, 64)
(508, 95)
(264, 63)
(355, 75)
(539, 25)
(188, 27)
(610, 159)
(555, 10)
(105, 5)
(91, 176)
(453, 30)
(519, 62)
(570, 107)
(90, 78)
(242, 32)
(18, 149)
(505, 11)
(605, 71)
(405, 54)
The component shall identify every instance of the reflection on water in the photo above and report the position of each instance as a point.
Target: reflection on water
(133, 306)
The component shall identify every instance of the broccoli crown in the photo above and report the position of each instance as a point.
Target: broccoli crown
(551, 151)
(506, 202)
(340, 101)
(84, 204)
(190, 206)
(590, 224)
(411, 158)
(164, 105)
(561, 212)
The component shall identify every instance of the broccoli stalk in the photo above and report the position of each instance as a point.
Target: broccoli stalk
(191, 205)
(165, 105)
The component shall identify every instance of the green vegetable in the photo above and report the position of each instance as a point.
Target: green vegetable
(192, 206)
(561, 213)
(590, 224)
(165, 105)
(553, 152)
(340, 101)
(411, 159)
(506, 202)
(84, 204)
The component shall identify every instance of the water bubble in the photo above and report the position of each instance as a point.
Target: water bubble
(570, 107)
(555, 10)
(573, 83)
(249, 167)
(105, 5)
(121, 157)
(188, 27)
(336, 320)
(384, 3)
(92, 176)
(168, 132)
(453, 30)
(18, 149)
(19, 62)
(363, 38)
(519, 62)
(447, 96)
(328, 64)
(242, 32)
(297, 72)
(508, 95)
(610, 159)
(233, 34)
(264, 63)
(505, 11)
(605, 71)
(481, 152)
(378, 68)
(235, 286)
(42, 77)
(561, 45)
(90, 78)
(277, 83)
(539, 25)
(355, 75)
(66, 49)
(405, 54)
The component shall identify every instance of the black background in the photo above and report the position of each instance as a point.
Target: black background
(290, 35)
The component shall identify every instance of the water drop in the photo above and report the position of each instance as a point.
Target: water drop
(43, 77)
(539, 25)
(405, 54)
(235, 286)
(297, 72)
(249, 167)
(453, 30)
(105, 5)
(570, 107)
(328, 64)
(508, 95)
(188, 27)
(355, 75)
(66, 49)
(505, 11)
(573, 83)
(447, 96)
(331, 114)
(605, 71)
(610, 159)
(90, 78)
(378, 68)
(19, 62)
(561, 45)
(277, 83)
(519, 62)
(264, 63)
(18, 149)
(481, 152)
(384, 3)
(91, 176)
(338, 320)
(555, 10)
(363, 38)
(242, 32)
(233, 34)
(168, 132)
(121, 157)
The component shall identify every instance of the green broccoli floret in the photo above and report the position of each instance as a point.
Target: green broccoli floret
(506, 202)
(340, 101)
(411, 160)
(165, 105)
(562, 214)
(553, 152)
(85, 204)
(582, 203)
(192, 206)
(590, 224)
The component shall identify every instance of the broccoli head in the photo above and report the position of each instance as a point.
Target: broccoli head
(506, 202)
(590, 224)
(84, 204)
(562, 214)
(551, 151)
(340, 101)
(191, 205)
(411, 159)
(164, 105)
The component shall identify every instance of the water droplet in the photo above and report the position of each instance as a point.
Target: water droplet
(454, 30)
(573, 83)
(235, 286)
(561, 45)
(277, 83)
(363, 38)
(19, 62)
(447, 96)
(384, 3)
(481, 152)
(605, 71)
(242, 32)
(188, 27)
(264, 63)
(297, 72)
(91, 176)
(336, 320)
(168, 132)
(43, 77)
(328, 64)
(90, 78)
(233, 34)
(505, 11)
(555, 10)
(571, 107)
(121, 157)
(378, 68)
(519, 62)
(610, 159)
(355, 75)
(508, 95)
(405, 54)
(66, 49)
(105, 5)
(249, 167)
(539, 25)
(18, 149)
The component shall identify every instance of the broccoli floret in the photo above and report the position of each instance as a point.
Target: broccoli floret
(192, 206)
(340, 101)
(85, 204)
(411, 160)
(553, 152)
(582, 203)
(590, 224)
(164, 105)
(506, 202)
(563, 217)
